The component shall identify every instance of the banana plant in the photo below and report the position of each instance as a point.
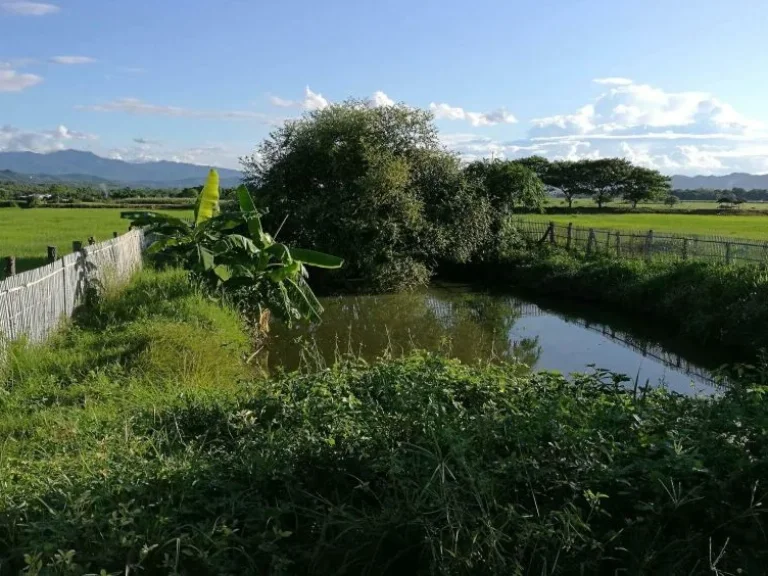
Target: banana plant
(230, 251)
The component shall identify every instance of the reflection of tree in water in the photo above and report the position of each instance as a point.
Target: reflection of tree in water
(468, 326)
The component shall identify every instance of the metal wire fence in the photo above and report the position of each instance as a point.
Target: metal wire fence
(32, 303)
(632, 244)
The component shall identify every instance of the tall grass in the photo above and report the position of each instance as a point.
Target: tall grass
(121, 452)
(713, 306)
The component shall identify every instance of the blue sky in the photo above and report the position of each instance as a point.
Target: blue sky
(679, 85)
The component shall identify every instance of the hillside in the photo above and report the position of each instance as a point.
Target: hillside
(735, 180)
(78, 166)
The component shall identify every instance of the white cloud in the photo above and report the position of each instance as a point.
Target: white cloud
(70, 60)
(316, 101)
(282, 102)
(313, 100)
(629, 109)
(137, 107)
(380, 99)
(12, 81)
(29, 8)
(689, 132)
(222, 155)
(447, 112)
(16, 140)
(613, 81)
(582, 122)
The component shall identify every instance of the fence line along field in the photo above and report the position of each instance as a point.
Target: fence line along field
(733, 226)
(26, 233)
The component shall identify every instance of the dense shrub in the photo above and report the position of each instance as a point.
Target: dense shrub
(372, 185)
(420, 466)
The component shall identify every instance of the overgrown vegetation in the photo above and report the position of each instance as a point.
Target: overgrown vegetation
(373, 185)
(137, 442)
(230, 253)
(713, 305)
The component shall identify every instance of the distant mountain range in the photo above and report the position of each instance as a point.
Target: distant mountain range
(76, 166)
(735, 180)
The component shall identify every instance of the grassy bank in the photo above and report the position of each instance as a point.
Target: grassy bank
(137, 441)
(710, 305)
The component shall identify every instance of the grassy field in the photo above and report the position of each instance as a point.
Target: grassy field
(27, 233)
(679, 207)
(709, 225)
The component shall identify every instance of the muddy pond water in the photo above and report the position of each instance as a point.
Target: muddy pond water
(481, 326)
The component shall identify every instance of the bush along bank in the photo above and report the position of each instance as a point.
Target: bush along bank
(712, 305)
(416, 466)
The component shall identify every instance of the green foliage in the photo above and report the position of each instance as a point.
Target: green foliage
(671, 200)
(714, 305)
(570, 177)
(537, 164)
(606, 178)
(508, 184)
(645, 185)
(373, 185)
(419, 466)
(230, 253)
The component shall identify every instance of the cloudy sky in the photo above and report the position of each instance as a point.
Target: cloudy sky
(677, 85)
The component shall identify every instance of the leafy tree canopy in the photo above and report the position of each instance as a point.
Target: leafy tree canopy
(373, 185)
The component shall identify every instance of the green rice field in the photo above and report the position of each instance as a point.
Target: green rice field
(682, 206)
(734, 226)
(26, 234)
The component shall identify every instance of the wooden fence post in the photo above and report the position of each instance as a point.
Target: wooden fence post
(618, 244)
(551, 232)
(10, 266)
(648, 243)
(685, 248)
(51, 253)
(91, 240)
(547, 234)
(591, 240)
(607, 241)
(569, 236)
(727, 252)
(77, 245)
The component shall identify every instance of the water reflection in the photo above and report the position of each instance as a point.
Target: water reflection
(476, 327)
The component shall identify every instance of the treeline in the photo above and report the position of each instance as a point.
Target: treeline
(33, 195)
(375, 186)
(715, 195)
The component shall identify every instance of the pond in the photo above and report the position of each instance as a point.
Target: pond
(478, 326)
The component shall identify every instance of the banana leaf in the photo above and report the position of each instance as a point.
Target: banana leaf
(248, 207)
(317, 259)
(209, 199)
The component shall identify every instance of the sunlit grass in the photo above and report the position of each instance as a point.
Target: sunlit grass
(734, 226)
(26, 233)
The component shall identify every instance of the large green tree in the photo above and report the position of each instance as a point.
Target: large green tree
(645, 185)
(537, 164)
(606, 178)
(373, 185)
(508, 184)
(571, 178)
